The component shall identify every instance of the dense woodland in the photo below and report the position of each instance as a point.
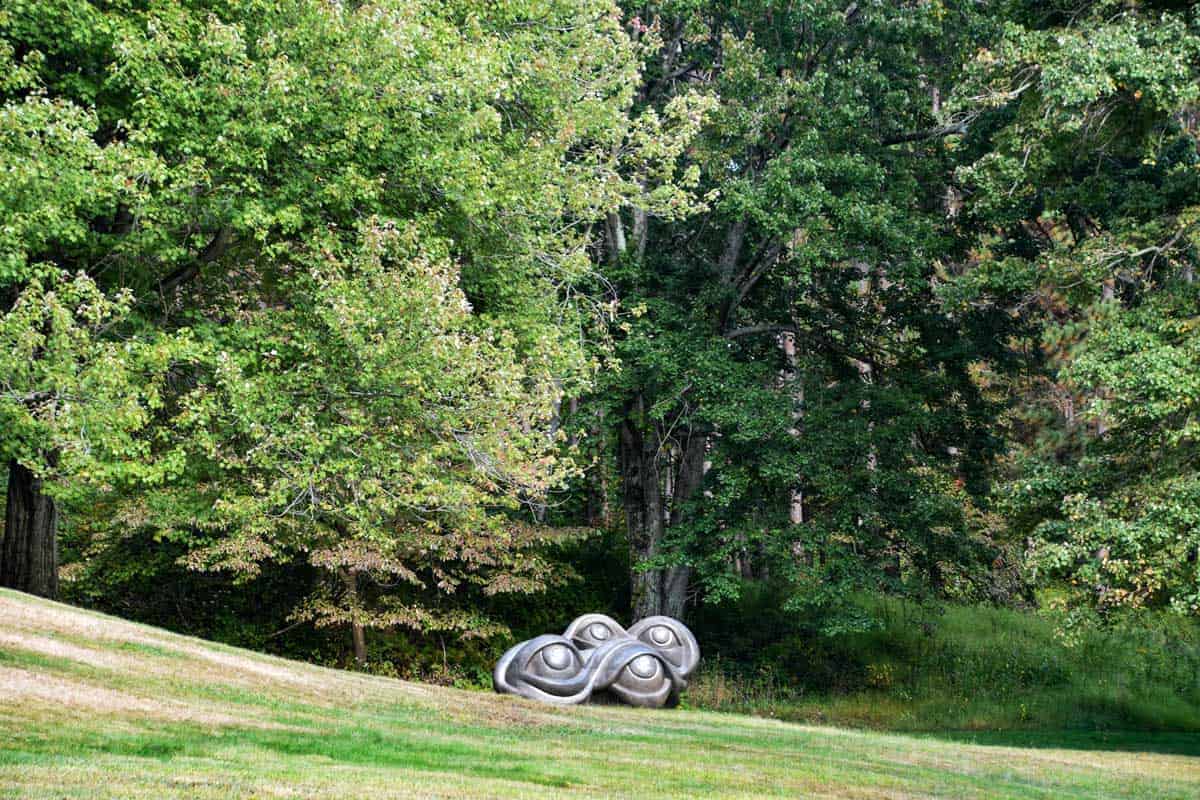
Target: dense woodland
(384, 332)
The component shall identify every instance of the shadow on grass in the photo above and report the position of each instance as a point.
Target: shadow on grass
(1183, 744)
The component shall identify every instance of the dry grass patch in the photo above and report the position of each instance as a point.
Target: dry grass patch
(25, 686)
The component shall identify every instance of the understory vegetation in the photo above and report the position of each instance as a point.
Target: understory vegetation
(935, 667)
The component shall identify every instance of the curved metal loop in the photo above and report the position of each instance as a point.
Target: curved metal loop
(672, 639)
(647, 665)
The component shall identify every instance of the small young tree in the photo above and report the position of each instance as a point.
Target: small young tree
(376, 430)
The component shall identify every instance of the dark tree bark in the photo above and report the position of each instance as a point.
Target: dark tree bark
(658, 478)
(357, 631)
(688, 478)
(644, 515)
(360, 643)
(29, 555)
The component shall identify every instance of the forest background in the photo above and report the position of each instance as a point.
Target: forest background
(865, 337)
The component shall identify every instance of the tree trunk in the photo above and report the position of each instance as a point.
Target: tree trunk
(643, 509)
(655, 496)
(360, 643)
(790, 382)
(615, 235)
(29, 556)
(357, 633)
(675, 590)
(641, 228)
(688, 480)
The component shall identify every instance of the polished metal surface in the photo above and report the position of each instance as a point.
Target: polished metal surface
(647, 665)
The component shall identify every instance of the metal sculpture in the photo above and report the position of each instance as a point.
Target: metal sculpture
(647, 665)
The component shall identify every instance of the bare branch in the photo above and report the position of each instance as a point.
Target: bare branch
(749, 330)
(953, 129)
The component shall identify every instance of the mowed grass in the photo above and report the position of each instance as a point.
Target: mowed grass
(93, 706)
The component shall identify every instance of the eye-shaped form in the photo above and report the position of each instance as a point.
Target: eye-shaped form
(645, 680)
(662, 636)
(593, 630)
(548, 668)
(557, 657)
(599, 631)
(673, 641)
(554, 660)
(646, 666)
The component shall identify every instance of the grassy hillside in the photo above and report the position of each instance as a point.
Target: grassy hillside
(93, 706)
(968, 668)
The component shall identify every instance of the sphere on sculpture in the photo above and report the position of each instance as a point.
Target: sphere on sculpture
(556, 656)
(644, 666)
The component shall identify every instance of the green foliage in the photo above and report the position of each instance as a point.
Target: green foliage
(73, 401)
(1085, 189)
(368, 427)
(827, 226)
(360, 228)
(377, 307)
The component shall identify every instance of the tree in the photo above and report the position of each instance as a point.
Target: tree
(1085, 187)
(72, 403)
(794, 399)
(368, 225)
(68, 396)
(375, 429)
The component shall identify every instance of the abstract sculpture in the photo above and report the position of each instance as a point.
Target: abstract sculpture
(648, 665)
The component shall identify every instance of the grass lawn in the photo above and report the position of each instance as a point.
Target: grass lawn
(93, 706)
